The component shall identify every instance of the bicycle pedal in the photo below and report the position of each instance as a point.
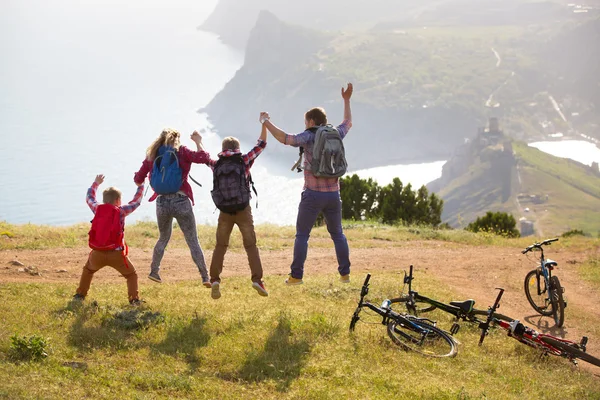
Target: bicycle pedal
(455, 328)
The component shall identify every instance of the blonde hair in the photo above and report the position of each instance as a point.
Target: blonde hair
(111, 195)
(169, 137)
(230, 143)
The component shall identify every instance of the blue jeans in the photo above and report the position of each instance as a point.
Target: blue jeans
(311, 204)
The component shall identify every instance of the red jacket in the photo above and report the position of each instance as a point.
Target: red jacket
(186, 158)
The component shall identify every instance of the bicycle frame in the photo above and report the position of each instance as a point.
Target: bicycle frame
(460, 313)
(526, 335)
(531, 337)
(388, 314)
(545, 272)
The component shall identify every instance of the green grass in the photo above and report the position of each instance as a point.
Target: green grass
(143, 235)
(294, 344)
(590, 271)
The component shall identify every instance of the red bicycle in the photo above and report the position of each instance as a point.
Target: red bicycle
(547, 343)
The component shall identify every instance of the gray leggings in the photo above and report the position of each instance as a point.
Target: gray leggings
(177, 206)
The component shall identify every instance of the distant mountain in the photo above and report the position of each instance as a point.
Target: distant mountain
(233, 20)
(419, 90)
(494, 173)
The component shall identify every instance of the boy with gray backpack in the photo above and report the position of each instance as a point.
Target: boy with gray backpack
(231, 195)
(324, 163)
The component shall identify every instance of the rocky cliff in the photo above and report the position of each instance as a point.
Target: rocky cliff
(289, 69)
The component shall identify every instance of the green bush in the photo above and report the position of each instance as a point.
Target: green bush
(28, 347)
(499, 223)
(573, 232)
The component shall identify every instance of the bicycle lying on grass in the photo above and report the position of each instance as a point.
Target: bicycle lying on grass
(543, 290)
(547, 343)
(462, 310)
(408, 331)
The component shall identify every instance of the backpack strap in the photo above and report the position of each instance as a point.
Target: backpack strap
(251, 182)
(195, 181)
(298, 165)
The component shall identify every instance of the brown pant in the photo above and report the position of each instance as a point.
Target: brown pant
(112, 258)
(243, 219)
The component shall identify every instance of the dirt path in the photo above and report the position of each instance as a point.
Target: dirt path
(471, 271)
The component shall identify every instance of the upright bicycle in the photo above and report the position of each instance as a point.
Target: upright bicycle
(407, 331)
(543, 290)
(549, 344)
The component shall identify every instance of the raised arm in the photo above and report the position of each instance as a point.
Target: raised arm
(196, 138)
(275, 131)
(346, 95)
(90, 198)
(135, 202)
(263, 131)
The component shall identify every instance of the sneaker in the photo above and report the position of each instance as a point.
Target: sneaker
(291, 281)
(78, 297)
(260, 288)
(206, 283)
(154, 276)
(345, 278)
(215, 290)
(136, 302)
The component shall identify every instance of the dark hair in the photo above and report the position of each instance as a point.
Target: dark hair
(318, 115)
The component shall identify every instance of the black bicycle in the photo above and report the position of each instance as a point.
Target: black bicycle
(462, 310)
(408, 331)
(543, 290)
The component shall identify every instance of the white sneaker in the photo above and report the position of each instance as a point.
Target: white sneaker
(260, 288)
(215, 291)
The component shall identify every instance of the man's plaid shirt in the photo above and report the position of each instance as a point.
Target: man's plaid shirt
(306, 140)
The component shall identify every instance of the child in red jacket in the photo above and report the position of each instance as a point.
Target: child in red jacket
(106, 239)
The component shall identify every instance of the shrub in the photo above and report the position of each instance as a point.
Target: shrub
(28, 347)
(573, 232)
(499, 223)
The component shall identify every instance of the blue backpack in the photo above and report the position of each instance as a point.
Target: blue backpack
(166, 175)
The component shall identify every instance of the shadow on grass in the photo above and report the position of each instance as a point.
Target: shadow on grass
(183, 339)
(102, 327)
(544, 325)
(281, 359)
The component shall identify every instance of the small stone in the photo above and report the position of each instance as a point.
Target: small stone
(21, 270)
(61, 270)
(75, 364)
(17, 263)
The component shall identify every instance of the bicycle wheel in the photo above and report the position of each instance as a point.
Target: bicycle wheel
(537, 298)
(420, 306)
(556, 299)
(570, 351)
(436, 342)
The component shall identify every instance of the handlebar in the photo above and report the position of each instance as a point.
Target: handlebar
(365, 289)
(486, 325)
(539, 245)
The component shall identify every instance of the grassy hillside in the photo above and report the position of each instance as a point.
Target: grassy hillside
(294, 344)
(572, 190)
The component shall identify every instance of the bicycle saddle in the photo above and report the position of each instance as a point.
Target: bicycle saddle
(465, 306)
(550, 263)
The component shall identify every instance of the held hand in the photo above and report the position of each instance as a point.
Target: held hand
(346, 94)
(196, 137)
(264, 116)
(139, 184)
(99, 179)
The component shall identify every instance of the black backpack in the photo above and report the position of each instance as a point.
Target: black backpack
(231, 191)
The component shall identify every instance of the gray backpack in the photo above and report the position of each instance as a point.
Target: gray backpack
(329, 156)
